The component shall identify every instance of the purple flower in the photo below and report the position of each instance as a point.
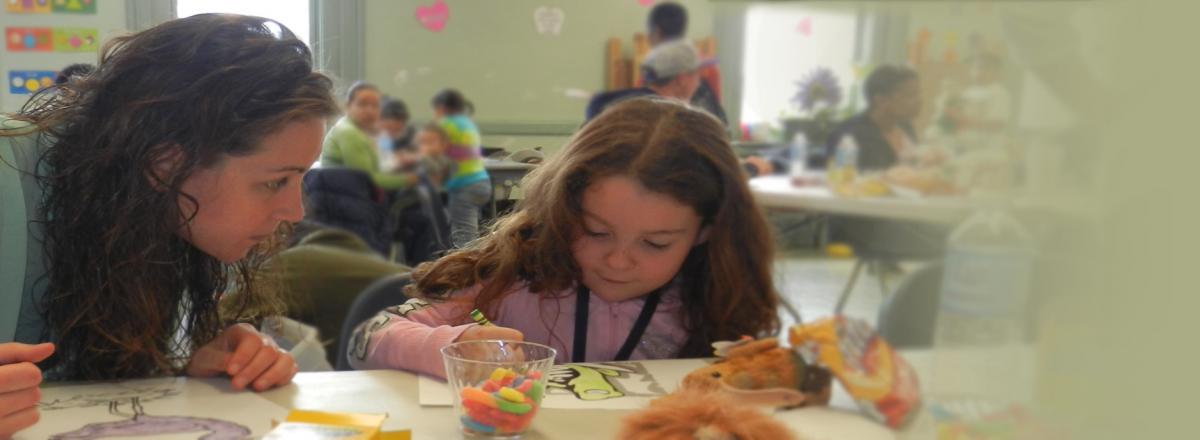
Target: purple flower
(819, 89)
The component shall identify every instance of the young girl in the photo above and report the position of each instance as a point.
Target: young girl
(432, 143)
(468, 186)
(640, 240)
(134, 203)
(350, 143)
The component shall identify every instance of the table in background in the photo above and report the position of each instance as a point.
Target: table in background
(506, 177)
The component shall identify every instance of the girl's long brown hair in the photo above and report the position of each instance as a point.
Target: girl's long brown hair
(120, 280)
(671, 149)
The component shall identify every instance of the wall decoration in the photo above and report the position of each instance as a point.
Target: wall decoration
(27, 6)
(24, 82)
(805, 27)
(74, 6)
(75, 40)
(434, 17)
(549, 20)
(24, 39)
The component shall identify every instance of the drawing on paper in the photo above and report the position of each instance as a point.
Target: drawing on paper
(140, 424)
(121, 394)
(602, 381)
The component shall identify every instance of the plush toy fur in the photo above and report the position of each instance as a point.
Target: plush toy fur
(692, 414)
(764, 365)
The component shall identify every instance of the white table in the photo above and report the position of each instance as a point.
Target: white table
(777, 192)
(395, 393)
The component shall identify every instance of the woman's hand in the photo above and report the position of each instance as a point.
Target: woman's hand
(248, 357)
(19, 380)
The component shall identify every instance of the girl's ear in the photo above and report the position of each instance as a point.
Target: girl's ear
(164, 166)
(702, 237)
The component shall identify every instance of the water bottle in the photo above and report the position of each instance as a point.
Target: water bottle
(845, 163)
(981, 357)
(799, 155)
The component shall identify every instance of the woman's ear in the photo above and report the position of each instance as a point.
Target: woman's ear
(702, 237)
(163, 166)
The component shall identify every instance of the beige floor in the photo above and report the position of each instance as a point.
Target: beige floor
(812, 283)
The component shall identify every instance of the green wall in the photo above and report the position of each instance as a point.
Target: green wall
(519, 80)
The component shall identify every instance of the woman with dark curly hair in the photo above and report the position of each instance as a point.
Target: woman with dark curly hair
(134, 204)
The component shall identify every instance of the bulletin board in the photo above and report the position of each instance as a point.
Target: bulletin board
(43, 36)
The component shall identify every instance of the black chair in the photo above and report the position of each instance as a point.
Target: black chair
(908, 316)
(439, 221)
(384, 293)
(348, 199)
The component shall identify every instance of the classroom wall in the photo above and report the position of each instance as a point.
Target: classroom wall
(529, 88)
(109, 21)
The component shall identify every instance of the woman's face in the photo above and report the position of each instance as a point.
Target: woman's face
(363, 110)
(243, 199)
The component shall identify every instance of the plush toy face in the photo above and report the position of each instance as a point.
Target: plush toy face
(770, 369)
(754, 367)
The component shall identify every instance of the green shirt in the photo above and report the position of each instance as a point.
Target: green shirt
(348, 146)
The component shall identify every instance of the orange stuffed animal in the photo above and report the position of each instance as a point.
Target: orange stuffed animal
(762, 372)
(694, 414)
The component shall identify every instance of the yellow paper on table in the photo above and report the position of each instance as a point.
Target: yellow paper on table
(304, 424)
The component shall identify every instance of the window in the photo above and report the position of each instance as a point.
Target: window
(290, 13)
(786, 42)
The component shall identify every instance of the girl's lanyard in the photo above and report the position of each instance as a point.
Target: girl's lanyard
(583, 297)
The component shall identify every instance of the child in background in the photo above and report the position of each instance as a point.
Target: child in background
(396, 135)
(350, 142)
(469, 187)
(640, 240)
(432, 143)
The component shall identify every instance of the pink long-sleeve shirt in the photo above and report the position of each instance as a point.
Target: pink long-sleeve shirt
(409, 336)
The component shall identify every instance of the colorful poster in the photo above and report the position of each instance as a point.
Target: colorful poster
(24, 82)
(22, 39)
(28, 6)
(75, 6)
(75, 40)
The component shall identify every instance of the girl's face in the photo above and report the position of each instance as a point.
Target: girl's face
(430, 143)
(364, 109)
(243, 199)
(392, 127)
(633, 240)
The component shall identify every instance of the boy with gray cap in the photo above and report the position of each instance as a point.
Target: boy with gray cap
(670, 70)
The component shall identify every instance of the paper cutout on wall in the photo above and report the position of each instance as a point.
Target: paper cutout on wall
(20, 39)
(28, 6)
(75, 6)
(645, 2)
(434, 17)
(24, 82)
(805, 27)
(75, 40)
(400, 78)
(549, 20)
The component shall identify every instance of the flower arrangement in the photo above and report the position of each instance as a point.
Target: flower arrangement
(818, 100)
(819, 93)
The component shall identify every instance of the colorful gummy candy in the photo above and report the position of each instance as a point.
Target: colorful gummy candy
(505, 403)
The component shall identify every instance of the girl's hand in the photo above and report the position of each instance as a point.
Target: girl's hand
(19, 380)
(247, 356)
(483, 332)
